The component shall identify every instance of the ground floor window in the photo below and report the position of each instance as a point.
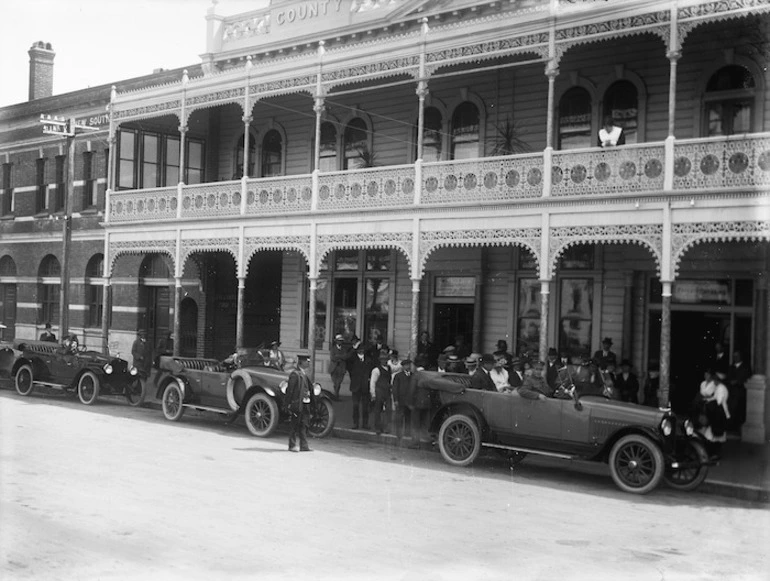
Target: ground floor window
(576, 308)
(528, 319)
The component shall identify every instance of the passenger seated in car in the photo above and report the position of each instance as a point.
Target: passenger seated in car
(69, 344)
(535, 386)
(499, 374)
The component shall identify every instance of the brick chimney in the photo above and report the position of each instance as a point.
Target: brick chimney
(41, 57)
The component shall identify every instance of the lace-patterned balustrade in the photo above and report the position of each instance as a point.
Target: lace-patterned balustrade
(724, 162)
(143, 205)
(385, 187)
(212, 199)
(483, 180)
(279, 195)
(630, 168)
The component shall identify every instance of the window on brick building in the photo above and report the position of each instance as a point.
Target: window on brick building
(729, 101)
(57, 199)
(272, 154)
(94, 291)
(89, 181)
(49, 283)
(6, 204)
(575, 119)
(465, 131)
(42, 188)
(127, 159)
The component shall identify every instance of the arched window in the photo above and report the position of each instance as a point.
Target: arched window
(431, 135)
(238, 173)
(272, 154)
(356, 144)
(729, 101)
(154, 266)
(328, 160)
(49, 281)
(465, 131)
(621, 102)
(94, 291)
(575, 119)
(7, 266)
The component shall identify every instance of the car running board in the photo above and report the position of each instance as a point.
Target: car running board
(203, 408)
(58, 386)
(529, 451)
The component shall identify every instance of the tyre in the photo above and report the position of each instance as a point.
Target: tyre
(321, 418)
(24, 380)
(173, 397)
(88, 388)
(135, 392)
(636, 464)
(459, 440)
(692, 468)
(261, 415)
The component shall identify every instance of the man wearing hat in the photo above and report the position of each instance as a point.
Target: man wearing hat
(360, 368)
(535, 385)
(626, 383)
(502, 351)
(402, 400)
(481, 379)
(142, 355)
(380, 392)
(48, 335)
(552, 366)
(299, 395)
(339, 354)
(516, 376)
(472, 363)
(605, 357)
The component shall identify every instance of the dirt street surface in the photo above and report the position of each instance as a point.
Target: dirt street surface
(112, 492)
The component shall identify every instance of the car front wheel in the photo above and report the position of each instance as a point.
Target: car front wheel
(135, 392)
(459, 440)
(24, 380)
(88, 388)
(321, 418)
(692, 468)
(636, 464)
(261, 415)
(173, 397)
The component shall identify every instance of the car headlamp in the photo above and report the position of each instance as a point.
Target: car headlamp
(316, 389)
(107, 368)
(666, 426)
(689, 429)
(133, 370)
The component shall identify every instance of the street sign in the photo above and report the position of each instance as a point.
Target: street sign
(55, 125)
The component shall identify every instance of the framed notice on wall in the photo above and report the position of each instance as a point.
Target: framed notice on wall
(455, 286)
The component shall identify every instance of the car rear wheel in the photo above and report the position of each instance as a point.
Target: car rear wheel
(692, 468)
(173, 397)
(88, 388)
(636, 464)
(135, 392)
(459, 440)
(24, 380)
(261, 415)
(321, 418)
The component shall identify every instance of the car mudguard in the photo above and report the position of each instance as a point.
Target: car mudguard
(653, 435)
(458, 408)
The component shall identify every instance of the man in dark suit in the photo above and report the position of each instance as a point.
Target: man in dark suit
(626, 383)
(737, 376)
(516, 376)
(338, 356)
(605, 357)
(480, 378)
(360, 368)
(552, 368)
(299, 396)
(48, 334)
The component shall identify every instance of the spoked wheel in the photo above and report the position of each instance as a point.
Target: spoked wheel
(88, 388)
(24, 380)
(321, 418)
(459, 440)
(692, 468)
(261, 415)
(636, 464)
(173, 397)
(135, 392)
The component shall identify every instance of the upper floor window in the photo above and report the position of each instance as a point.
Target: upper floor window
(238, 174)
(42, 187)
(149, 160)
(171, 163)
(575, 119)
(621, 102)
(272, 154)
(89, 181)
(6, 204)
(127, 159)
(729, 101)
(328, 159)
(57, 200)
(465, 131)
(48, 286)
(432, 135)
(194, 162)
(356, 144)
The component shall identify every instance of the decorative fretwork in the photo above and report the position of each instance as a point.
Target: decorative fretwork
(685, 236)
(528, 238)
(483, 180)
(247, 27)
(379, 69)
(563, 237)
(143, 205)
(727, 162)
(607, 171)
(279, 195)
(638, 24)
(283, 85)
(198, 245)
(145, 246)
(254, 244)
(329, 242)
(223, 97)
(212, 199)
(488, 50)
(173, 107)
(391, 186)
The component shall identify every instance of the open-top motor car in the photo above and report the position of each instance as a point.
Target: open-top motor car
(642, 445)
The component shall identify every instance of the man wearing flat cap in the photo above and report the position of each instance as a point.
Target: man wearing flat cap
(299, 395)
(339, 354)
(605, 356)
(481, 379)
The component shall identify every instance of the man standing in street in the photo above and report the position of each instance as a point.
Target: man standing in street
(380, 392)
(338, 356)
(402, 400)
(360, 368)
(142, 355)
(298, 398)
(605, 356)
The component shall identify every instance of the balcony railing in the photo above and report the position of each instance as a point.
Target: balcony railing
(723, 163)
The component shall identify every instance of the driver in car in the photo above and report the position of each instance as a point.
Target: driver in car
(69, 345)
(535, 386)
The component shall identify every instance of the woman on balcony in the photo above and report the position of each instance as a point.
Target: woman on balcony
(610, 134)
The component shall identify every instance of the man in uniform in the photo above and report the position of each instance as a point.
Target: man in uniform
(535, 385)
(360, 368)
(298, 399)
(141, 353)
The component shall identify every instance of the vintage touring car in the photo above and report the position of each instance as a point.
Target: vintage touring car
(642, 445)
(233, 387)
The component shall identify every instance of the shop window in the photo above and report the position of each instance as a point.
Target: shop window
(621, 102)
(729, 101)
(432, 135)
(49, 279)
(57, 199)
(356, 144)
(575, 119)
(465, 131)
(272, 154)
(6, 204)
(41, 186)
(238, 174)
(94, 290)
(328, 151)
(576, 316)
(528, 316)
